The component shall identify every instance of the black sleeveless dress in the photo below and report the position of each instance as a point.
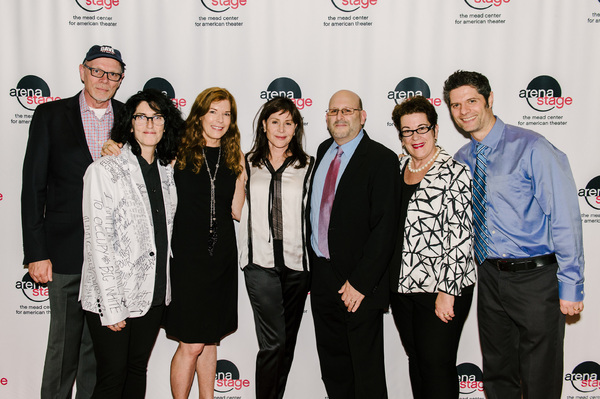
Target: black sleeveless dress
(204, 289)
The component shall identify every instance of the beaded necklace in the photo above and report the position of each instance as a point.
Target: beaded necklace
(212, 232)
(411, 160)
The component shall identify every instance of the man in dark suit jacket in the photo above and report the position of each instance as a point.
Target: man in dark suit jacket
(352, 241)
(65, 136)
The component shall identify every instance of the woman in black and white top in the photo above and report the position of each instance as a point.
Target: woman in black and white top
(432, 272)
(272, 239)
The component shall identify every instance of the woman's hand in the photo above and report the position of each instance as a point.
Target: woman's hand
(111, 148)
(240, 191)
(444, 306)
(118, 327)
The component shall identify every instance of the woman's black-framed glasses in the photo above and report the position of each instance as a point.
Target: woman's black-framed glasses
(419, 130)
(141, 119)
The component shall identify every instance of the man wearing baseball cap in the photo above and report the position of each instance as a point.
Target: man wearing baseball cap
(65, 136)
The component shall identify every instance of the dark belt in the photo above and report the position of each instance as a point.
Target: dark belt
(515, 265)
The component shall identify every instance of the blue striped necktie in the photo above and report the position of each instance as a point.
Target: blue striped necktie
(482, 235)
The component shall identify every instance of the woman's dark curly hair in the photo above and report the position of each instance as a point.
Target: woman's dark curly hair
(260, 150)
(122, 131)
(414, 105)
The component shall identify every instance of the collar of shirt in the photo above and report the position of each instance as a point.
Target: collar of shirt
(492, 139)
(348, 149)
(84, 107)
(145, 166)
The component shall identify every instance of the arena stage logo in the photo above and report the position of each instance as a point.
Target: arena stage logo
(33, 291)
(410, 87)
(286, 87)
(167, 89)
(543, 94)
(591, 193)
(96, 5)
(470, 378)
(223, 5)
(32, 91)
(584, 377)
(353, 5)
(485, 4)
(227, 377)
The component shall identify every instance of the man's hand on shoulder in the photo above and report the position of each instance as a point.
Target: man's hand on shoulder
(41, 271)
(111, 148)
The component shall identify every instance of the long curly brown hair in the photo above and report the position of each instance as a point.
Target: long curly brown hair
(193, 140)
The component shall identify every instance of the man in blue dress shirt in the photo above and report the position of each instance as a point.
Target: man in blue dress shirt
(528, 245)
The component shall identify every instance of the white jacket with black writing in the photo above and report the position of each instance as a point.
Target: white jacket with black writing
(119, 263)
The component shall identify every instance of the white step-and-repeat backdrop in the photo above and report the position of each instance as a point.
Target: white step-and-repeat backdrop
(541, 56)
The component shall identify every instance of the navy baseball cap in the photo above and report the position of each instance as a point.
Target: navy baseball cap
(105, 51)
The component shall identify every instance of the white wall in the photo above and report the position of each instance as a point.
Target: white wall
(519, 41)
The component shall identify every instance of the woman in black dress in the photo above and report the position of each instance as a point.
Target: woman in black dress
(210, 189)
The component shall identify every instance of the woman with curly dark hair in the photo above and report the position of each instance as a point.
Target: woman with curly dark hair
(210, 187)
(129, 203)
(272, 240)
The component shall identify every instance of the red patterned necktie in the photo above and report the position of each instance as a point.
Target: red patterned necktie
(327, 202)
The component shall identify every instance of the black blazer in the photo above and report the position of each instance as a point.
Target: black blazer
(56, 159)
(364, 220)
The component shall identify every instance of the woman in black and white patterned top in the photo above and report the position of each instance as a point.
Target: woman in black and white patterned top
(432, 273)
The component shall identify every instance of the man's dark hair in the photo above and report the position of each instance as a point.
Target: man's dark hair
(466, 78)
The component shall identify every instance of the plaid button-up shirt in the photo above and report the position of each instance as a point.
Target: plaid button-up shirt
(97, 131)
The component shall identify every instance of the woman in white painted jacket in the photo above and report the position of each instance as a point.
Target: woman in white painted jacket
(129, 202)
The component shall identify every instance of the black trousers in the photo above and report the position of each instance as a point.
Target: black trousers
(522, 330)
(349, 345)
(122, 356)
(277, 296)
(70, 353)
(430, 344)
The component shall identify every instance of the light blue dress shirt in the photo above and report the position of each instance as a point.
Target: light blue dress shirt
(319, 183)
(533, 207)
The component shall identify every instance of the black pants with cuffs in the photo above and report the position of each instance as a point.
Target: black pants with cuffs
(430, 344)
(277, 296)
(349, 345)
(122, 356)
(521, 329)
